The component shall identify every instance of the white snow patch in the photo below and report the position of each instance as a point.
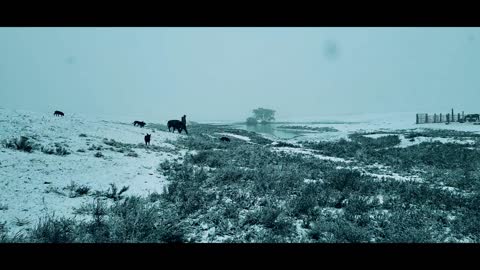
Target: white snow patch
(395, 176)
(235, 136)
(309, 152)
(376, 136)
(420, 139)
(385, 175)
(313, 180)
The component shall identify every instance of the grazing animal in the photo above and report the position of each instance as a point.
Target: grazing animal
(139, 123)
(178, 125)
(224, 139)
(58, 113)
(147, 139)
(472, 117)
(184, 119)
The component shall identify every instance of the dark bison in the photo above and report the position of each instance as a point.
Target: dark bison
(58, 113)
(472, 117)
(224, 139)
(178, 125)
(139, 123)
(147, 139)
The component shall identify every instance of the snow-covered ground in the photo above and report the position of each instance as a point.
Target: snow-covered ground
(27, 179)
(347, 124)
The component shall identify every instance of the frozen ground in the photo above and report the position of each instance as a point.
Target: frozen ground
(346, 124)
(28, 179)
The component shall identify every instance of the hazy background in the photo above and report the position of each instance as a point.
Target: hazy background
(224, 73)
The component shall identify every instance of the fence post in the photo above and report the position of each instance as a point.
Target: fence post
(417, 118)
(440, 118)
(448, 118)
(434, 118)
(426, 118)
(458, 117)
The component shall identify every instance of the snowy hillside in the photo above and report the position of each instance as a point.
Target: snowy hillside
(35, 183)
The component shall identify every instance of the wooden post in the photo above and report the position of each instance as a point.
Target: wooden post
(434, 118)
(453, 118)
(426, 118)
(458, 117)
(417, 119)
(440, 118)
(448, 118)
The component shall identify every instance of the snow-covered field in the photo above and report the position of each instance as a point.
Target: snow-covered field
(34, 184)
(28, 179)
(374, 123)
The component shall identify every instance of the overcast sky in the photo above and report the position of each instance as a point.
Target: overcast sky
(224, 73)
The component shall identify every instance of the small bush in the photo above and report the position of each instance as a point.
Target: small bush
(21, 144)
(133, 220)
(285, 144)
(209, 158)
(116, 144)
(82, 135)
(229, 174)
(132, 154)
(53, 230)
(56, 149)
(47, 150)
(155, 196)
(338, 230)
(76, 190)
(97, 209)
(307, 201)
(357, 205)
(98, 155)
(54, 190)
(231, 210)
(409, 226)
(81, 150)
(94, 147)
(168, 167)
(61, 151)
(21, 222)
(113, 193)
(344, 180)
(3, 232)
